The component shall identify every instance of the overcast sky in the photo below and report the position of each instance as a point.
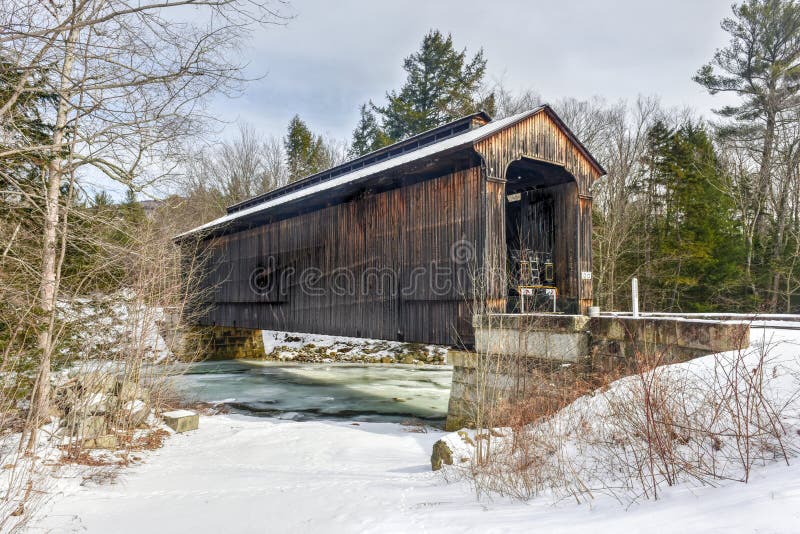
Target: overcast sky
(333, 56)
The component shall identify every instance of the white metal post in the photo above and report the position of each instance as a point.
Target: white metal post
(635, 297)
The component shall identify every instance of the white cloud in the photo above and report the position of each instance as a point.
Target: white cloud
(335, 55)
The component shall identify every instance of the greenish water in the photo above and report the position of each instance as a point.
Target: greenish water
(304, 391)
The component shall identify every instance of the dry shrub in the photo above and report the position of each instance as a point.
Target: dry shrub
(118, 337)
(151, 440)
(701, 422)
(566, 384)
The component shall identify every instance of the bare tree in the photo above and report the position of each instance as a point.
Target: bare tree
(509, 103)
(617, 135)
(233, 170)
(129, 79)
(336, 151)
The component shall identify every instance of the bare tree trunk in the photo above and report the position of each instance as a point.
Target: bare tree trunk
(777, 246)
(48, 282)
(765, 174)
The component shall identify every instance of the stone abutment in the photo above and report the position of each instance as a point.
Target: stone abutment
(543, 359)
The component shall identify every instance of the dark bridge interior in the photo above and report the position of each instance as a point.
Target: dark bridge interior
(541, 213)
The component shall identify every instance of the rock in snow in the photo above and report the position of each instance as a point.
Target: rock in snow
(181, 420)
(441, 455)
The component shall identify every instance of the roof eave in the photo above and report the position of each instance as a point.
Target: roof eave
(213, 229)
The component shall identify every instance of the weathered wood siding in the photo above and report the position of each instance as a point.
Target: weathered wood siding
(540, 137)
(394, 257)
(537, 137)
(585, 250)
(494, 246)
(371, 260)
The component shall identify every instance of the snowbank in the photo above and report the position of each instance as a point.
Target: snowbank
(108, 325)
(701, 423)
(240, 475)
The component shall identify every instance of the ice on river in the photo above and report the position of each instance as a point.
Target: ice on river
(308, 391)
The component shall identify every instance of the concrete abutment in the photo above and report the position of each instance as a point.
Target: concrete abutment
(542, 358)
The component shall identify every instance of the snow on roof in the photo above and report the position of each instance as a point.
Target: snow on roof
(465, 138)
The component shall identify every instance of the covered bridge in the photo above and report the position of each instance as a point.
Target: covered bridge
(407, 242)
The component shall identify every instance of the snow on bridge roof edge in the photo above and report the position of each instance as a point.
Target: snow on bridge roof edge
(456, 141)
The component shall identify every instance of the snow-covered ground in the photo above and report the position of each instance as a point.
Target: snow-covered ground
(106, 326)
(247, 474)
(243, 474)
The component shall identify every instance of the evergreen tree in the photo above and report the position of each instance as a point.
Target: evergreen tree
(760, 65)
(697, 251)
(102, 201)
(305, 152)
(368, 135)
(131, 210)
(24, 128)
(442, 84)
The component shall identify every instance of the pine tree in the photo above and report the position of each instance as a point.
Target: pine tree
(441, 85)
(368, 135)
(305, 152)
(760, 65)
(697, 252)
(131, 210)
(24, 128)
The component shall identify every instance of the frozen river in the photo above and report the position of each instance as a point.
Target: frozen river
(303, 391)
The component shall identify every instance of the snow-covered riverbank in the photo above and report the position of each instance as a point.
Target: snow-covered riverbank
(241, 474)
(245, 474)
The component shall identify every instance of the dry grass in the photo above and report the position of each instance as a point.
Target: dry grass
(661, 426)
(76, 455)
(149, 441)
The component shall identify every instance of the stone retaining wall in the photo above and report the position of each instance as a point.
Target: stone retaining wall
(616, 341)
(225, 342)
(555, 337)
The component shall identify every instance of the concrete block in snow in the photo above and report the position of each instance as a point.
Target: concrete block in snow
(181, 420)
